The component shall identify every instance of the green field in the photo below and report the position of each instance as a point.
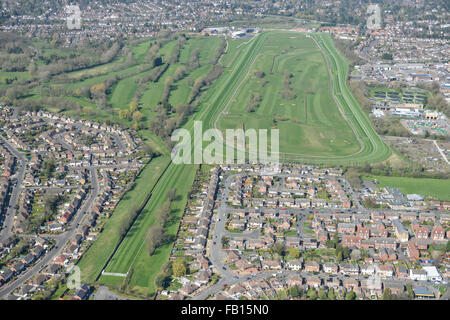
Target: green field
(309, 124)
(322, 124)
(132, 252)
(93, 261)
(437, 188)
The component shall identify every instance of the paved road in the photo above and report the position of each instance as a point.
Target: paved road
(441, 151)
(219, 286)
(103, 293)
(61, 240)
(19, 174)
(216, 254)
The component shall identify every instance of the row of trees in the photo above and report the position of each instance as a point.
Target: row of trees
(215, 72)
(287, 94)
(179, 73)
(156, 234)
(219, 52)
(78, 62)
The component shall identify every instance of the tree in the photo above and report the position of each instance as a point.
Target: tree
(88, 110)
(279, 249)
(224, 241)
(133, 106)
(331, 294)
(162, 214)
(346, 253)
(171, 194)
(330, 244)
(259, 74)
(98, 88)
(51, 204)
(137, 116)
(179, 268)
(32, 69)
(410, 291)
(294, 253)
(154, 238)
(293, 291)
(162, 281)
(124, 114)
(136, 126)
(352, 176)
(148, 150)
(350, 295)
(387, 56)
(387, 294)
(322, 294)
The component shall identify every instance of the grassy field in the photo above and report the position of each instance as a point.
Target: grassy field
(97, 255)
(437, 188)
(321, 124)
(310, 123)
(132, 252)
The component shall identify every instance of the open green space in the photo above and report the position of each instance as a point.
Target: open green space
(132, 252)
(319, 122)
(437, 188)
(310, 123)
(93, 261)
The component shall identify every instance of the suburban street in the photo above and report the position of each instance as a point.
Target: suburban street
(228, 278)
(8, 220)
(60, 239)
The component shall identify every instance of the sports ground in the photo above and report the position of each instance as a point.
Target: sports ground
(321, 124)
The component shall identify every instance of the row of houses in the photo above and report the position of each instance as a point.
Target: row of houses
(6, 170)
(73, 206)
(20, 264)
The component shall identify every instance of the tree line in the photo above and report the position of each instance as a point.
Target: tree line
(156, 234)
